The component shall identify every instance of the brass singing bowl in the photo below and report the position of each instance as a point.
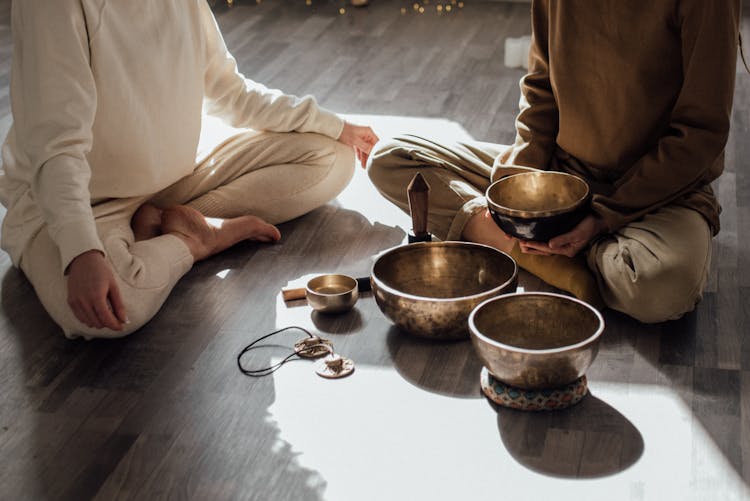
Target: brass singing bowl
(430, 288)
(538, 205)
(332, 293)
(536, 340)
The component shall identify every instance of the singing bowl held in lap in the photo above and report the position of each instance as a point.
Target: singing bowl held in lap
(429, 289)
(536, 340)
(538, 205)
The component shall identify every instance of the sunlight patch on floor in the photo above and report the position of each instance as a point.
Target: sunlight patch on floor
(429, 446)
(360, 195)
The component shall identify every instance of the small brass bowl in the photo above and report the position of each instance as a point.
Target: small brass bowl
(536, 340)
(429, 288)
(538, 205)
(332, 293)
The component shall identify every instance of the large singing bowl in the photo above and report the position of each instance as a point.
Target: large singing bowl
(536, 340)
(538, 205)
(429, 289)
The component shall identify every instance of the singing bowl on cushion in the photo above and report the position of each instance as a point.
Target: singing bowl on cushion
(430, 288)
(538, 205)
(536, 340)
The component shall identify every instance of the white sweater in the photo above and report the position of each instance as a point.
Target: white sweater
(107, 98)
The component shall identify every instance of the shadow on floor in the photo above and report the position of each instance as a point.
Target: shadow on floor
(448, 368)
(588, 440)
(141, 416)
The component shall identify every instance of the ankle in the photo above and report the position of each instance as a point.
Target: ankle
(191, 227)
(481, 229)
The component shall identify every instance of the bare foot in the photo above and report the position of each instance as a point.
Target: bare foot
(481, 229)
(206, 237)
(146, 222)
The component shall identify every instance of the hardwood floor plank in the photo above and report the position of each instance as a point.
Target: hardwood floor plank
(165, 412)
(745, 423)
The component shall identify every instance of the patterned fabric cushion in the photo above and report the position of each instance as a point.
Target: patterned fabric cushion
(533, 400)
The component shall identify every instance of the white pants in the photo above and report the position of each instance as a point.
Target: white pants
(275, 176)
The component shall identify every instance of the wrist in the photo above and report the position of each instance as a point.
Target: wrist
(92, 253)
(345, 128)
(84, 257)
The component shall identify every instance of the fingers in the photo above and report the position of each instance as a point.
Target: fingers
(362, 157)
(562, 240)
(365, 142)
(86, 315)
(538, 248)
(533, 248)
(536, 252)
(96, 313)
(567, 245)
(117, 304)
(93, 293)
(83, 309)
(578, 238)
(105, 315)
(365, 138)
(361, 138)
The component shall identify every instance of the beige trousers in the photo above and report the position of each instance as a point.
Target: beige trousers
(276, 176)
(654, 269)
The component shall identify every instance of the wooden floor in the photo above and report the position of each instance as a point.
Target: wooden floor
(165, 413)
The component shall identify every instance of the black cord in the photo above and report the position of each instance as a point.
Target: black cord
(269, 370)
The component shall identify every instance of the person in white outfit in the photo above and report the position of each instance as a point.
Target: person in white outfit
(109, 200)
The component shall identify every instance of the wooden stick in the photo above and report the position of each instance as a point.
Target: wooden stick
(292, 293)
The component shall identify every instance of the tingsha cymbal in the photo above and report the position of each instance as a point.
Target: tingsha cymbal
(334, 366)
(313, 347)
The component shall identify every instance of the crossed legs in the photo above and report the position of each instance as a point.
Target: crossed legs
(248, 183)
(654, 269)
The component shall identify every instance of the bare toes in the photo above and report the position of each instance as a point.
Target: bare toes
(261, 231)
